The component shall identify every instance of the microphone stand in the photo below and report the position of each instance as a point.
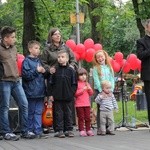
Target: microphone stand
(123, 122)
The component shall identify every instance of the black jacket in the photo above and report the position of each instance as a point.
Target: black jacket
(62, 84)
(143, 53)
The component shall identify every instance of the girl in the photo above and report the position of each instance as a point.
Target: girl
(102, 70)
(82, 103)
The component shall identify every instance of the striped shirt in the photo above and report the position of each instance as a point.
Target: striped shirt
(106, 102)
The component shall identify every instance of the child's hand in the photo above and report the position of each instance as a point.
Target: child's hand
(51, 98)
(40, 69)
(85, 88)
(52, 70)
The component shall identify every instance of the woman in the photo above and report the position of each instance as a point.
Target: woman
(54, 44)
(49, 56)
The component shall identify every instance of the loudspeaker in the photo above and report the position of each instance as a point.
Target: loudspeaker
(14, 116)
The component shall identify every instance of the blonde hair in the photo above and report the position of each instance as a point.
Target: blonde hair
(107, 61)
(105, 83)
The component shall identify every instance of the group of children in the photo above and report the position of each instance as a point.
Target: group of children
(63, 87)
(63, 84)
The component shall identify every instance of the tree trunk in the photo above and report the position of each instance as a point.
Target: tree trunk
(138, 19)
(29, 21)
(95, 35)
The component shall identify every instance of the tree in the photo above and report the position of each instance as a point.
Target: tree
(142, 12)
(29, 24)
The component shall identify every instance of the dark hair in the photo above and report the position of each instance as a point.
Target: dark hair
(82, 71)
(6, 31)
(51, 33)
(32, 43)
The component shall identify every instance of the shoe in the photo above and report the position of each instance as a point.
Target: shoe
(28, 135)
(98, 132)
(1, 137)
(11, 137)
(69, 134)
(41, 136)
(90, 133)
(107, 131)
(59, 134)
(83, 133)
(103, 133)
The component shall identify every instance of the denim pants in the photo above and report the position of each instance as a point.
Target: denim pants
(35, 114)
(8, 88)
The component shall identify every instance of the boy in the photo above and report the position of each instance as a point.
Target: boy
(61, 89)
(33, 82)
(107, 103)
(10, 85)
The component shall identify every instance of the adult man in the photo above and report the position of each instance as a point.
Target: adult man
(143, 53)
(10, 85)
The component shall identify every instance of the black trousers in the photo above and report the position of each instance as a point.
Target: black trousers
(63, 116)
(147, 93)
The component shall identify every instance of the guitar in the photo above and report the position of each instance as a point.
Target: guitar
(47, 115)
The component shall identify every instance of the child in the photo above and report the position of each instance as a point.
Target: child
(107, 103)
(34, 86)
(82, 103)
(10, 86)
(61, 88)
(102, 70)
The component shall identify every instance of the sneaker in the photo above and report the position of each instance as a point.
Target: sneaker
(69, 134)
(90, 133)
(11, 137)
(83, 133)
(98, 132)
(59, 134)
(28, 135)
(1, 137)
(103, 133)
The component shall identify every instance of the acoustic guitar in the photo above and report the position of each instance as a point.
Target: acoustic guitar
(47, 115)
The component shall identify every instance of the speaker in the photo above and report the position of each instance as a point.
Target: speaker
(14, 116)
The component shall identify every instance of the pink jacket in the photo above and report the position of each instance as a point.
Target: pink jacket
(82, 96)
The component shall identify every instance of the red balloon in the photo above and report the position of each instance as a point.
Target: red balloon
(134, 65)
(77, 56)
(82, 56)
(80, 48)
(118, 57)
(131, 58)
(88, 43)
(115, 66)
(71, 44)
(126, 67)
(97, 47)
(89, 54)
(20, 56)
(19, 64)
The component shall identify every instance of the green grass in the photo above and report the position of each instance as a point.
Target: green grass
(140, 115)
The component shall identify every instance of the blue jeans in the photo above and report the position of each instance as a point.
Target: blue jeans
(35, 114)
(8, 88)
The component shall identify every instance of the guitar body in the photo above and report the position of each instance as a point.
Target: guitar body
(47, 116)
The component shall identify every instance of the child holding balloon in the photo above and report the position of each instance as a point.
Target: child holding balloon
(102, 70)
